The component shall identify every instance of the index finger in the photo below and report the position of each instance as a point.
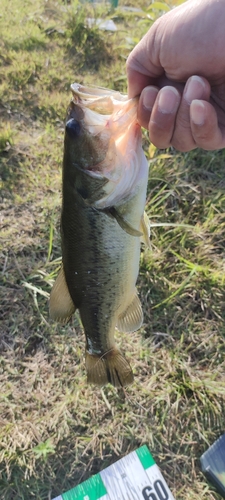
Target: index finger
(143, 66)
(137, 81)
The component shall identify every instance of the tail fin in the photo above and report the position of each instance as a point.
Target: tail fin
(110, 367)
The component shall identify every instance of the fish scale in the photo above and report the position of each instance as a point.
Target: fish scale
(105, 177)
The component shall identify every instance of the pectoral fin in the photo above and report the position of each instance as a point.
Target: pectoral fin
(61, 306)
(132, 318)
(145, 229)
(124, 224)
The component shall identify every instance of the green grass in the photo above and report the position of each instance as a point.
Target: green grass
(56, 431)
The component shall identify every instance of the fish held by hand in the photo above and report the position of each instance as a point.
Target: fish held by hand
(105, 175)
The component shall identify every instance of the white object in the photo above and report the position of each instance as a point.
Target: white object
(102, 24)
(135, 477)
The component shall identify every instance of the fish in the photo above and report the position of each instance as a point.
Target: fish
(104, 185)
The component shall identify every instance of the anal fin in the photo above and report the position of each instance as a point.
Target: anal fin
(110, 367)
(61, 306)
(132, 318)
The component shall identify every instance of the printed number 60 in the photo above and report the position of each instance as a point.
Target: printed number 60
(159, 494)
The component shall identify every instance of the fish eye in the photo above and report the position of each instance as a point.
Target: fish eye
(73, 127)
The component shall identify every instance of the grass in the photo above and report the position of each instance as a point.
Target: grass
(55, 430)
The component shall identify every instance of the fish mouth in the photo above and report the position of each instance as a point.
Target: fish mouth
(91, 91)
(96, 97)
(114, 110)
(110, 122)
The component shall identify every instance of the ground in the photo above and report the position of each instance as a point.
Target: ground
(55, 430)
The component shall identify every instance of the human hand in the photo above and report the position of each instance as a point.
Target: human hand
(178, 69)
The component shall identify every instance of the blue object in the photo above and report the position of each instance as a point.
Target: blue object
(213, 465)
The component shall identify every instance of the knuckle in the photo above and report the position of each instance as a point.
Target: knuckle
(203, 137)
(183, 142)
(159, 136)
(182, 138)
(160, 143)
(183, 148)
(206, 138)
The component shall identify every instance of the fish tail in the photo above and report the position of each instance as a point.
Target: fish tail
(110, 367)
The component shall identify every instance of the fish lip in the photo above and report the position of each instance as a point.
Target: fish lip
(104, 101)
(99, 99)
(92, 92)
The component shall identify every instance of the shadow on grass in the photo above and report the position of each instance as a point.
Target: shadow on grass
(57, 473)
(66, 468)
(10, 172)
(28, 44)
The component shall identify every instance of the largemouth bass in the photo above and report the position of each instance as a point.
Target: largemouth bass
(105, 176)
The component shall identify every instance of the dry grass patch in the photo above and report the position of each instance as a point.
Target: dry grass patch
(55, 430)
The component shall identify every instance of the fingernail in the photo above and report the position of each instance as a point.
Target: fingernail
(149, 96)
(197, 112)
(194, 90)
(168, 100)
